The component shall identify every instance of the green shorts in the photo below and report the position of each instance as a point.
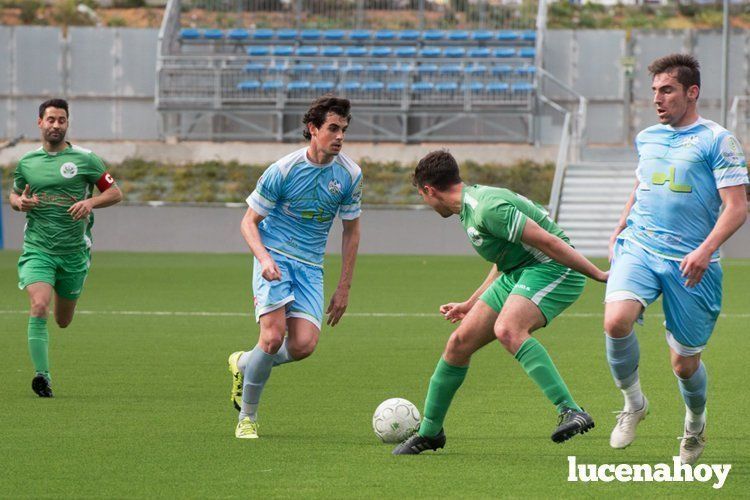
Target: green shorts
(66, 273)
(551, 286)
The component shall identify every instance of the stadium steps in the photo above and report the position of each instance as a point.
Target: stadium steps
(593, 196)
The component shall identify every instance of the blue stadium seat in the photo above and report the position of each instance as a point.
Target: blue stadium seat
(454, 52)
(481, 36)
(350, 86)
(408, 35)
(476, 70)
(355, 51)
(405, 51)
(402, 69)
(213, 34)
(525, 70)
(263, 34)
(307, 50)
(529, 35)
(260, 50)
(254, 67)
(422, 87)
(301, 68)
(446, 87)
(478, 52)
(323, 86)
(298, 86)
(396, 86)
(328, 70)
(450, 69)
(332, 51)
(527, 52)
(238, 34)
(496, 87)
(385, 35)
(286, 34)
(360, 35)
(501, 70)
(376, 69)
(190, 34)
(278, 67)
(458, 36)
(381, 51)
(373, 86)
(508, 36)
(474, 87)
(249, 85)
(353, 69)
(433, 35)
(272, 85)
(504, 52)
(430, 52)
(334, 35)
(427, 69)
(521, 87)
(283, 50)
(311, 34)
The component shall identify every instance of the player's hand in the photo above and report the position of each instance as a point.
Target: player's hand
(455, 311)
(602, 276)
(82, 209)
(337, 306)
(27, 202)
(269, 270)
(694, 265)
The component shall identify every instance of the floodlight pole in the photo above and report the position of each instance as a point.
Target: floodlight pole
(725, 64)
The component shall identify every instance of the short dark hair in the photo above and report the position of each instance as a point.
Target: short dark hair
(53, 103)
(438, 169)
(320, 108)
(687, 67)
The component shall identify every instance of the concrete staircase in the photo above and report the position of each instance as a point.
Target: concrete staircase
(592, 199)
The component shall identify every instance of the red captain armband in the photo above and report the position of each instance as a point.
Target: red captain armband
(105, 182)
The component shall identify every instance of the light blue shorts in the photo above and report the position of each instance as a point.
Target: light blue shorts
(300, 290)
(691, 313)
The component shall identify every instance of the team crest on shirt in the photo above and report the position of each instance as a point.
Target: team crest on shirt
(68, 170)
(689, 141)
(334, 187)
(474, 236)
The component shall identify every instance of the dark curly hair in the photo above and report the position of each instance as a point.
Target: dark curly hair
(320, 108)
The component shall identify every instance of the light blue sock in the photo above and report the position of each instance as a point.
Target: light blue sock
(282, 355)
(257, 372)
(693, 389)
(623, 355)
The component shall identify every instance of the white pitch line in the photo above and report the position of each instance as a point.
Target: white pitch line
(353, 314)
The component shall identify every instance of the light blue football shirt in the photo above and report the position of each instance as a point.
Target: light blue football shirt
(299, 200)
(680, 171)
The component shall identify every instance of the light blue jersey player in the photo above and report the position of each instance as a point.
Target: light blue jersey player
(667, 243)
(286, 226)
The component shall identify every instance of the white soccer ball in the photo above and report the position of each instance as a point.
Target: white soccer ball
(395, 419)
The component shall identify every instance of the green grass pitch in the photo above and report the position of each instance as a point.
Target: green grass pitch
(142, 406)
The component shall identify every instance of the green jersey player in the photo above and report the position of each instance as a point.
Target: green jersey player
(536, 275)
(54, 186)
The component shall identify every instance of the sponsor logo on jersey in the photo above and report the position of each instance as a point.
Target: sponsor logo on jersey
(334, 187)
(732, 151)
(474, 236)
(689, 141)
(68, 170)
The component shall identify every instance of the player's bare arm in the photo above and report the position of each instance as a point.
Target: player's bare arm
(731, 219)
(557, 249)
(110, 196)
(622, 223)
(349, 247)
(23, 202)
(249, 230)
(456, 311)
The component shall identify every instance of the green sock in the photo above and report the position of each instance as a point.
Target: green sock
(443, 385)
(539, 366)
(38, 345)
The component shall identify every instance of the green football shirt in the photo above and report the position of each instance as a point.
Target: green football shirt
(494, 219)
(59, 180)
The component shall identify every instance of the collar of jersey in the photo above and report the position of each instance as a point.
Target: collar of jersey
(697, 122)
(58, 152)
(320, 165)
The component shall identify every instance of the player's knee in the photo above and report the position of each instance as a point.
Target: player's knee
(617, 326)
(684, 368)
(271, 342)
(302, 351)
(39, 308)
(508, 337)
(456, 350)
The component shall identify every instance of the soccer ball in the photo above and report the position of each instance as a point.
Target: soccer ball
(395, 419)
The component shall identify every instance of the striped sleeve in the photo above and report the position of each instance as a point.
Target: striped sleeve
(727, 160)
(267, 192)
(351, 205)
(504, 221)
